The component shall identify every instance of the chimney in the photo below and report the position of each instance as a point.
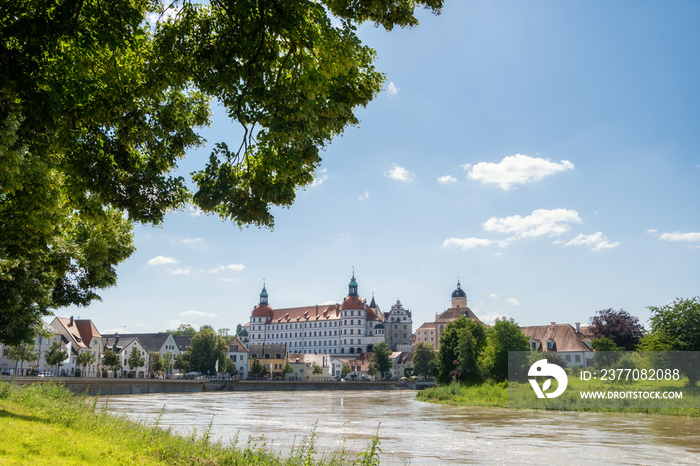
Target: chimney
(70, 324)
(553, 323)
(578, 327)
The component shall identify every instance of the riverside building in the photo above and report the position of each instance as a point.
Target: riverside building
(350, 327)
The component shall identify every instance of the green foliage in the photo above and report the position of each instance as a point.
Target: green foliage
(676, 327)
(168, 362)
(345, 370)
(318, 370)
(22, 352)
(504, 336)
(98, 107)
(205, 349)
(111, 361)
(136, 359)
(86, 358)
(423, 356)
(45, 424)
(256, 368)
(55, 355)
(287, 369)
(461, 345)
(157, 363)
(183, 330)
(182, 361)
(380, 358)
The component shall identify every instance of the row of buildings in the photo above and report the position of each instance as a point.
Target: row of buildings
(320, 335)
(354, 327)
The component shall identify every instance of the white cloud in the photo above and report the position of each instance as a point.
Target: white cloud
(471, 243)
(221, 268)
(184, 271)
(392, 89)
(678, 236)
(195, 211)
(596, 241)
(162, 260)
(493, 295)
(194, 313)
(192, 240)
(516, 169)
(513, 302)
(227, 280)
(320, 177)
(489, 318)
(467, 243)
(466, 166)
(364, 196)
(541, 222)
(399, 173)
(447, 179)
(652, 231)
(167, 15)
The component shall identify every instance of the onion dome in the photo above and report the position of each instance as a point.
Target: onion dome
(459, 292)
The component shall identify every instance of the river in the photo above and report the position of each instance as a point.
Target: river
(418, 433)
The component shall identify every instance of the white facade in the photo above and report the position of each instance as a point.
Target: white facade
(347, 328)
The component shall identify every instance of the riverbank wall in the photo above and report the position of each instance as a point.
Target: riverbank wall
(106, 387)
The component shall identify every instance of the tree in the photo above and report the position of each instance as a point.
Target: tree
(84, 359)
(168, 362)
(453, 362)
(256, 368)
(56, 355)
(22, 352)
(157, 363)
(111, 361)
(676, 327)
(504, 336)
(619, 326)
(345, 370)
(380, 358)
(223, 333)
(183, 330)
(136, 359)
(317, 370)
(205, 349)
(287, 369)
(183, 361)
(423, 355)
(372, 370)
(98, 106)
(239, 328)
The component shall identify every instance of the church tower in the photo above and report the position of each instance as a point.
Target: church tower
(459, 297)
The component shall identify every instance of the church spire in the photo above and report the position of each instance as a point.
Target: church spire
(263, 295)
(352, 287)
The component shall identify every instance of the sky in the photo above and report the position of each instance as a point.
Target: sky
(544, 153)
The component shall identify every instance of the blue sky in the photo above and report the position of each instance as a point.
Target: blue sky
(545, 153)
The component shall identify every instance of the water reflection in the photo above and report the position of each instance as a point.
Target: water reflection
(421, 433)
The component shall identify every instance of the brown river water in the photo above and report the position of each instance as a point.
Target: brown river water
(418, 433)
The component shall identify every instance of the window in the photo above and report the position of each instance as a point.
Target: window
(550, 344)
(578, 358)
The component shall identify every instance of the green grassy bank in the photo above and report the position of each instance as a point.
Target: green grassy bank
(46, 424)
(496, 395)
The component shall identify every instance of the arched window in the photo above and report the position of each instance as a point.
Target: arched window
(352, 350)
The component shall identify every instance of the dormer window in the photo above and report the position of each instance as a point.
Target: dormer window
(550, 344)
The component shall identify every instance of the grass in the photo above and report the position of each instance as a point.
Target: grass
(486, 394)
(44, 424)
(496, 395)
